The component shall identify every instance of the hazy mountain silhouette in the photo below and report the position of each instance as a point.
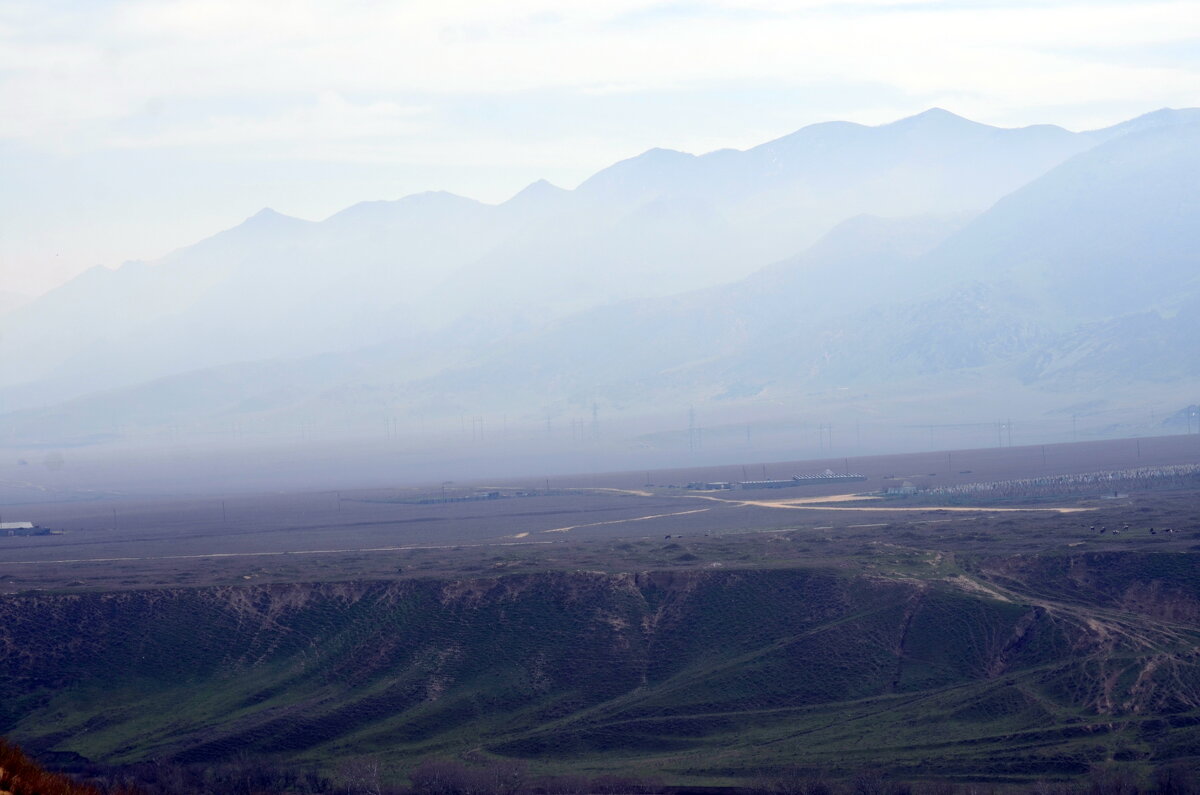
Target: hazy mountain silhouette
(1081, 275)
(657, 224)
(1060, 284)
(1110, 231)
(10, 300)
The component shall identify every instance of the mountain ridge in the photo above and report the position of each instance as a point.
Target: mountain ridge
(489, 283)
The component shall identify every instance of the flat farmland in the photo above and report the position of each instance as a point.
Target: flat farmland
(297, 522)
(598, 521)
(934, 468)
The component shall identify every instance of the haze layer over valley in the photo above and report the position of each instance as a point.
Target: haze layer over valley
(844, 289)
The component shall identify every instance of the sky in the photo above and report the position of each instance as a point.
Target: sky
(133, 127)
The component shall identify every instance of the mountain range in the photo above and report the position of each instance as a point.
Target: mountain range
(1038, 267)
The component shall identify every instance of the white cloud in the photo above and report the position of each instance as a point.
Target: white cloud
(216, 50)
(329, 118)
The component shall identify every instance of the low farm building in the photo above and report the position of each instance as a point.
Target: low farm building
(828, 476)
(25, 529)
(768, 484)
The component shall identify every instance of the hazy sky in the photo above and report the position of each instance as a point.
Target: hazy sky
(131, 127)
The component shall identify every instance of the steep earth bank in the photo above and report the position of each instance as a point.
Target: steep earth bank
(1039, 668)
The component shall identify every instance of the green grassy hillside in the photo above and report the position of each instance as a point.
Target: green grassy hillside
(1024, 668)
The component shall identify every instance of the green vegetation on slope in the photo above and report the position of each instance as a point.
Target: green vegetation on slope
(1019, 671)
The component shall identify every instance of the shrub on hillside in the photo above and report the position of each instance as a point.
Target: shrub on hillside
(448, 777)
(20, 775)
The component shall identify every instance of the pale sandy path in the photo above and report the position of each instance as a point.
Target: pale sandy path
(821, 504)
(638, 492)
(280, 553)
(623, 521)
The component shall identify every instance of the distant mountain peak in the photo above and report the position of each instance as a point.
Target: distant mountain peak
(650, 167)
(1155, 119)
(828, 133)
(542, 185)
(266, 223)
(267, 217)
(435, 197)
(938, 113)
(935, 117)
(659, 152)
(1169, 115)
(535, 191)
(389, 210)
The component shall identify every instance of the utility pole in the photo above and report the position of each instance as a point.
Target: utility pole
(1004, 429)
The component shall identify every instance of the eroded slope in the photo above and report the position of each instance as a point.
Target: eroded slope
(700, 674)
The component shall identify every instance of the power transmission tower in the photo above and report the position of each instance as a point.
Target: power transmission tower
(1003, 432)
(825, 434)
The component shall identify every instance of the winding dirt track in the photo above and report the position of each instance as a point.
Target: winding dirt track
(623, 521)
(822, 504)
